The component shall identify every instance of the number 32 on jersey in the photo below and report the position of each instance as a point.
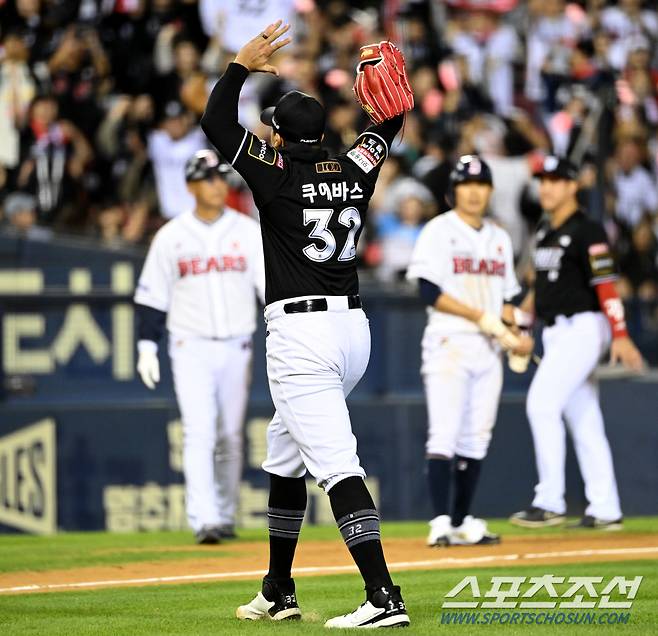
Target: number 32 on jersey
(349, 217)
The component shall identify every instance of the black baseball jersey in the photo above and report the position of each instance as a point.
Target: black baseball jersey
(569, 261)
(312, 206)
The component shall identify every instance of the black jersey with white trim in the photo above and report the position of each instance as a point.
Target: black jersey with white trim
(569, 261)
(312, 206)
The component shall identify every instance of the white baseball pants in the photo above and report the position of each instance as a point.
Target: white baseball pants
(314, 360)
(564, 386)
(211, 378)
(463, 379)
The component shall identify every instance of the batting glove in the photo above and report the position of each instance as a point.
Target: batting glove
(493, 326)
(517, 363)
(148, 366)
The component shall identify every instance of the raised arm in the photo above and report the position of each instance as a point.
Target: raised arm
(251, 157)
(220, 121)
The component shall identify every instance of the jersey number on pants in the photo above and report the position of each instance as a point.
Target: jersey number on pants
(349, 217)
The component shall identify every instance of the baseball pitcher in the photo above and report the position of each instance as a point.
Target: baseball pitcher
(312, 209)
(201, 277)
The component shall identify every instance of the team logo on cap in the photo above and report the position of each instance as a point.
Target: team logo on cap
(550, 163)
(474, 167)
(209, 157)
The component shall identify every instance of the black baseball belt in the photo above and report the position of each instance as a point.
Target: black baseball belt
(318, 304)
(550, 321)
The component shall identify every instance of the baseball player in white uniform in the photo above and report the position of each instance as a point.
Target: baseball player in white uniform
(202, 275)
(464, 264)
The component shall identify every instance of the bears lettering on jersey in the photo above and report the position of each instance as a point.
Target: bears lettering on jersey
(197, 265)
(468, 265)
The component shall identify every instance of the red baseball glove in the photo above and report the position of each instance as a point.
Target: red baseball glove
(381, 84)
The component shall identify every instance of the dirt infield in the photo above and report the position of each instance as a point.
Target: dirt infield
(247, 560)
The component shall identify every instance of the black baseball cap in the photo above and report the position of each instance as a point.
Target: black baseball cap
(557, 168)
(204, 163)
(297, 117)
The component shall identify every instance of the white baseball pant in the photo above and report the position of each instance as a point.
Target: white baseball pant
(463, 379)
(564, 385)
(211, 378)
(314, 360)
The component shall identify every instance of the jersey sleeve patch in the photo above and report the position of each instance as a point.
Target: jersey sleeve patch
(324, 167)
(369, 152)
(601, 262)
(258, 149)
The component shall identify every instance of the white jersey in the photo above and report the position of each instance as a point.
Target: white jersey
(169, 157)
(474, 266)
(237, 21)
(205, 276)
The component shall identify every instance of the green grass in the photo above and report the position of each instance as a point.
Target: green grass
(202, 609)
(78, 549)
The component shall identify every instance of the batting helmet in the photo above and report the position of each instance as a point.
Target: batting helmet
(468, 168)
(203, 163)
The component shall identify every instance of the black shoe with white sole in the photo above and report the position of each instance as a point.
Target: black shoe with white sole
(383, 607)
(592, 523)
(227, 532)
(535, 517)
(208, 535)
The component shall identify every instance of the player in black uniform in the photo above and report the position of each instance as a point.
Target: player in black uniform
(312, 208)
(575, 298)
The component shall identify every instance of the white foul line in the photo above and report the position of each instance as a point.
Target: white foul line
(399, 565)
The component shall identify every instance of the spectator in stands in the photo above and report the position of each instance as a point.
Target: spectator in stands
(624, 23)
(25, 16)
(177, 60)
(233, 23)
(169, 147)
(78, 76)
(550, 39)
(635, 188)
(411, 205)
(55, 154)
(639, 264)
(17, 89)
(490, 47)
(129, 196)
(20, 211)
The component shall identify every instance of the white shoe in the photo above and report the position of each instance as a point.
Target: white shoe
(473, 532)
(440, 530)
(383, 608)
(283, 608)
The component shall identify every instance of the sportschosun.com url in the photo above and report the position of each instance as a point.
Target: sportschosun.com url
(535, 618)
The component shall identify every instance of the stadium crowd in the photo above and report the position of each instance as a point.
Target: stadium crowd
(100, 102)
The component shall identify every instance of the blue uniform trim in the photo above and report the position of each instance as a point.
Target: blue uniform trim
(429, 292)
(150, 323)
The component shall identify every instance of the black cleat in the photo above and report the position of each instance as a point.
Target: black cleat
(227, 532)
(535, 517)
(208, 535)
(592, 523)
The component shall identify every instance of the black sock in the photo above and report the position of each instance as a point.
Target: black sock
(285, 513)
(358, 522)
(439, 476)
(467, 473)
